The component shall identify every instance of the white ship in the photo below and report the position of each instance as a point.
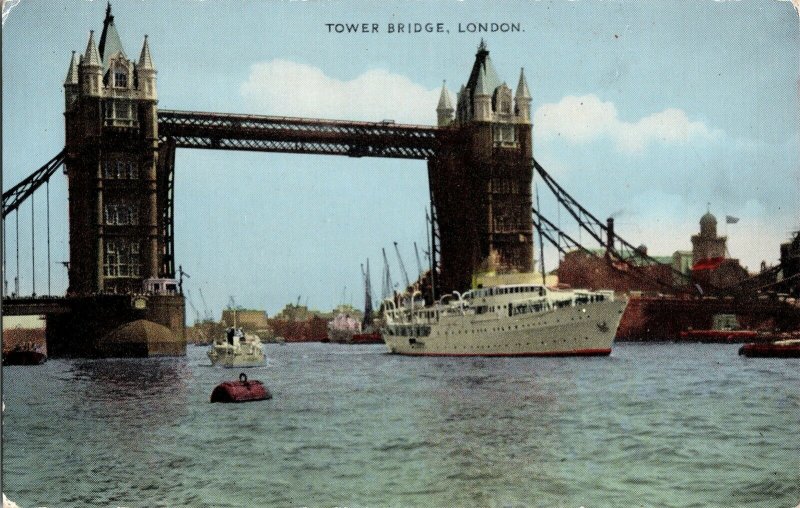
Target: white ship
(237, 349)
(507, 320)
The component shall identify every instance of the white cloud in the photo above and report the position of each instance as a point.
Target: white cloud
(587, 118)
(282, 87)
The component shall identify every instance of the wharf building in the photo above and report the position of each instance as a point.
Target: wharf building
(713, 267)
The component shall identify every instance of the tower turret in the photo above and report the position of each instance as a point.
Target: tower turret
(71, 85)
(483, 98)
(444, 111)
(708, 225)
(91, 69)
(522, 99)
(146, 73)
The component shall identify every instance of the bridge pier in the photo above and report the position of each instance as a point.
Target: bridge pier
(104, 326)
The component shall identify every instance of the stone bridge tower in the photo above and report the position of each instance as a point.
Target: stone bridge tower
(111, 165)
(481, 179)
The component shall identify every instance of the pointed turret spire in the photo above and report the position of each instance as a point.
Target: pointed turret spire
(72, 73)
(480, 86)
(444, 111)
(145, 60)
(110, 42)
(92, 56)
(146, 72)
(444, 99)
(522, 86)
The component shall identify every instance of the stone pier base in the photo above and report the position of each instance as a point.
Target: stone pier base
(105, 326)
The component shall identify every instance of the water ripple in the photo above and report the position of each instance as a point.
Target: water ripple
(652, 425)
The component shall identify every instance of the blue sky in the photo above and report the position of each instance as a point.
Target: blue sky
(644, 110)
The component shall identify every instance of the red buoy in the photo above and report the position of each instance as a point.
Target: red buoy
(240, 391)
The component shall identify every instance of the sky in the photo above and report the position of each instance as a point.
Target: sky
(650, 112)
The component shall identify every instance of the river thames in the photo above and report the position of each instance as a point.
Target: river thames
(669, 425)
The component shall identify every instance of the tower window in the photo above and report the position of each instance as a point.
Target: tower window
(121, 79)
(505, 134)
(120, 113)
(121, 214)
(121, 258)
(119, 169)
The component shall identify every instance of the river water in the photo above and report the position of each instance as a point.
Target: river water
(651, 425)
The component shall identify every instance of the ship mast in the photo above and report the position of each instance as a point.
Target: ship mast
(402, 268)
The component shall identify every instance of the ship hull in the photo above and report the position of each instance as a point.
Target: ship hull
(583, 330)
(229, 358)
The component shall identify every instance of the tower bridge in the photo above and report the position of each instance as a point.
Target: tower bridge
(119, 160)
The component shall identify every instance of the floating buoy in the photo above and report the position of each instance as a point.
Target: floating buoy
(240, 391)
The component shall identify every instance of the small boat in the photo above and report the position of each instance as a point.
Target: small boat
(718, 335)
(240, 391)
(342, 328)
(367, 338)
(24, 354)
(237, 349)
(789, 348)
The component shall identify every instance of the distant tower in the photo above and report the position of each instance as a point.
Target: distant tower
(481, 178)
(444, 111)
(112, 147)
(707, 244)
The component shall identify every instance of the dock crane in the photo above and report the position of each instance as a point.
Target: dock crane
(367, 297)
(402, 268)
(191, 304)
(205, 306)
(387, 290)
(419, 263)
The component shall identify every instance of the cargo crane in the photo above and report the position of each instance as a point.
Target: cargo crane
(432, 252)
(387, 290)
(402, 268)
(367, 297)
(419, 263)
(205, 306)
(197, 318)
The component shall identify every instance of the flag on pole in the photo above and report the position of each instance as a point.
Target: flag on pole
(731, 220)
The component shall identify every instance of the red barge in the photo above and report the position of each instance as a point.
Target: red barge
(778, 349)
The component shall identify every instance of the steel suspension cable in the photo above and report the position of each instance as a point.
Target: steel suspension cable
(33, 250)
(5, 272)
(16, 279)
(47, 189)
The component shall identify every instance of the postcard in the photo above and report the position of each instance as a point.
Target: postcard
(402, 253)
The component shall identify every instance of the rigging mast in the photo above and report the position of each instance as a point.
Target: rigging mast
(402, 268)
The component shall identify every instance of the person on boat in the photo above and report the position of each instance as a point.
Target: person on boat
(230, 335)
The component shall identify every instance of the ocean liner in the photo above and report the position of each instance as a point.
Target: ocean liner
(507, 320)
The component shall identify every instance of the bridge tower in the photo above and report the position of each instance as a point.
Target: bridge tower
(481, 178)
(111, 166)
